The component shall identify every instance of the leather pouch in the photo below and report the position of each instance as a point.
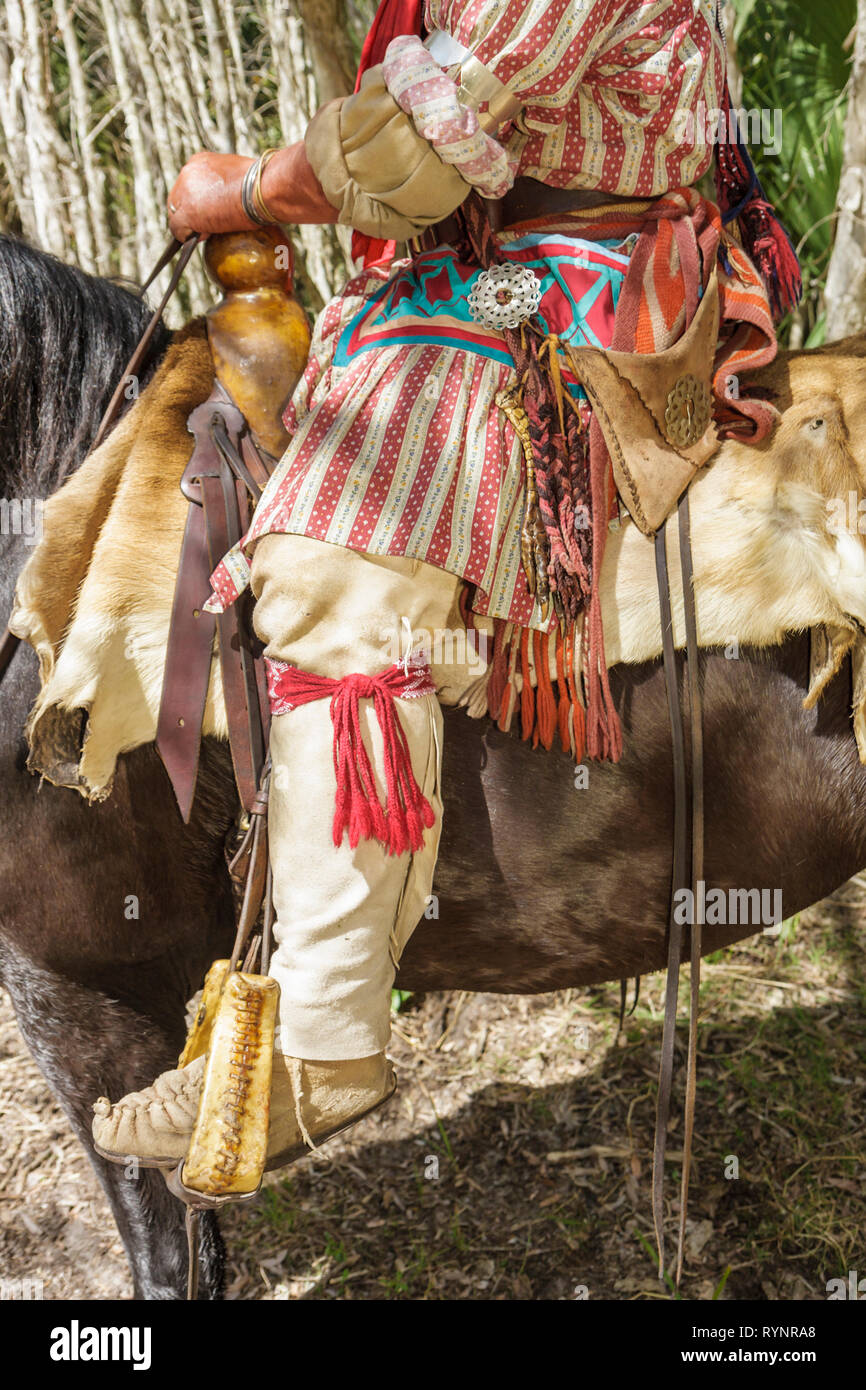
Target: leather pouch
(655, 412)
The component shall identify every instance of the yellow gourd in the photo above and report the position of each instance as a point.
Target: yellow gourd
(259, 335)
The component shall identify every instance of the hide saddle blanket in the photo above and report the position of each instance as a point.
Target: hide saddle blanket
(775, 532)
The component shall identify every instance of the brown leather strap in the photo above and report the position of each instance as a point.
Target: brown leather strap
(133, 365)
(187, 659)
(526, 200)
(9, 644)
(679, 880)
(246, 464)
(696, 727)
(190, 640)
(268, 921)
(224, 502)
(688, 871)
(215, 481)
(259, 463)
(257, 873)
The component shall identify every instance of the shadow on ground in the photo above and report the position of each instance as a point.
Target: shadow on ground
(514, 1162)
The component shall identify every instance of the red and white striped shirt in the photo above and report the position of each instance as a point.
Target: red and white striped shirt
(615, 94)
(406, 451)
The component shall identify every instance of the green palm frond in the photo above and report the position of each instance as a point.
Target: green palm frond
(794, 60)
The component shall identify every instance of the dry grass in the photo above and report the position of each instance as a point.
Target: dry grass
(514, 1161)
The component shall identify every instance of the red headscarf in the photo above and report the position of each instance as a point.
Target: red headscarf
(393, 18)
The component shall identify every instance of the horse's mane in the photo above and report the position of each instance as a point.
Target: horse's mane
(65, 337)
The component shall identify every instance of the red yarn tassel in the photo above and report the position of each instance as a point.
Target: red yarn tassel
(742, 199)
(505, 712)
(399, 825)
(527, 694)
(498, 668)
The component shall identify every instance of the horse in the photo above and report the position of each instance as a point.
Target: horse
(111, 913)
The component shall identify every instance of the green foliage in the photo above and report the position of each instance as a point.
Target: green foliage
(794, 59)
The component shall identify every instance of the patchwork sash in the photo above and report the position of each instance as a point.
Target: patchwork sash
(427, 301)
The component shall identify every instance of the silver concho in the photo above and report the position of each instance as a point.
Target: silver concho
(505, 296)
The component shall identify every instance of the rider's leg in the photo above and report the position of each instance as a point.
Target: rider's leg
(343, 914)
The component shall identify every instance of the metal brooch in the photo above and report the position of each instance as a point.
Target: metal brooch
(688, 411)
(505, 296)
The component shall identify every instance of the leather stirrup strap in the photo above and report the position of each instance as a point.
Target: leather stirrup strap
(224, 502)
(187, 665)
(191, 630)
(217, 492)
(679, 880)
(688, 872)
(696, 730)
(257, 882)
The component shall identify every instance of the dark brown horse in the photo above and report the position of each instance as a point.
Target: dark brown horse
(110, 914)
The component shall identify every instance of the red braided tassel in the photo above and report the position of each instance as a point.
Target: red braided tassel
(564, 705)
(578, 716)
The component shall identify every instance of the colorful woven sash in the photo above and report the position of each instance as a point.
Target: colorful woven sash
(427, 301)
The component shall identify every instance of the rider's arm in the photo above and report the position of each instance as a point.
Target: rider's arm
(407, 148)
(427, 126)
(384, 177)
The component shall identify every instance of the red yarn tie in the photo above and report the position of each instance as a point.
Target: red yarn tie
(399, 824)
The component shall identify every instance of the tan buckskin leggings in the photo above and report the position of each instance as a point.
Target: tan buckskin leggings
(343, 916)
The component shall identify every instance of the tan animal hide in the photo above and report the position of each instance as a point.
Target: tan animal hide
(774, 552)
(94, 599)
(776, 533)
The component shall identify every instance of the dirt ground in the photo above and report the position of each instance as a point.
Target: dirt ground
(514, 1162)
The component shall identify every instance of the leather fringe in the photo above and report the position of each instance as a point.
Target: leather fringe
(549, 707)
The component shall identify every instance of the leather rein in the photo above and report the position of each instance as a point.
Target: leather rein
(687, 873)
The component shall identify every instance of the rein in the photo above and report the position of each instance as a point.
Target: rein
(9, 644)
(186, 249)
(688, 870)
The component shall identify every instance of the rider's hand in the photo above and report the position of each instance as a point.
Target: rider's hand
(206, 196)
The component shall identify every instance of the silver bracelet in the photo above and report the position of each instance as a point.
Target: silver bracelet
(247, 203)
